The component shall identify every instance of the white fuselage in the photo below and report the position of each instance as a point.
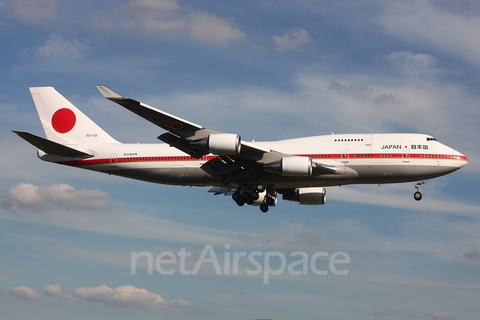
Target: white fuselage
(358, 158)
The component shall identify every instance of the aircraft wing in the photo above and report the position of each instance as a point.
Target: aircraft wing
(180, 127)
(182, 133)
(190, 138)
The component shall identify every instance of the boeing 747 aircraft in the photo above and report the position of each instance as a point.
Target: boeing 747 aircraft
(253, 173)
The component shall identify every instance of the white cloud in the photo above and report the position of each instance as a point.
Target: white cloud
(423, 22)
(292, 39)
(52, 290)
(125, 296)
(154, 5)
(167, 17)
(411, 98)
(91, 212)
(34, 11)
(211, 29)
(58, 47)
(155, 16)
(433, 315)
(56, 197)
(24, 293)
(394, 197)
(413, 65)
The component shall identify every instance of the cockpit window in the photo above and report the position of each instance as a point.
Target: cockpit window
(431, 139)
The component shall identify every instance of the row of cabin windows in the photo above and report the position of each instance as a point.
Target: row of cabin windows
(363, 155)
(312, 156)
(354, 140)
(440, 156)
(347, 140)
(159, 158)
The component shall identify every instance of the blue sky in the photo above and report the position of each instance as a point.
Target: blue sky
(265, 70)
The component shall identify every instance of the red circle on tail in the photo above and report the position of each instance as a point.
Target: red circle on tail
(63, 120)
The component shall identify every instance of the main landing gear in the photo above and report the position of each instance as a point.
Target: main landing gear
(418, 194)
(245, 197)
(255, 195)
(267, 201)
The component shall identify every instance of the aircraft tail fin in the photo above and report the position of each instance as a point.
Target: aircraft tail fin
(63, 122)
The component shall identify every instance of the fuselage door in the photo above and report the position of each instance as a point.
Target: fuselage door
(368, 139)
(345, 155)
(406, 155)
(113, 160)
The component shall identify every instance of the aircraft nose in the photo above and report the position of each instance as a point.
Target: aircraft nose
(464, 159)
(460, 160)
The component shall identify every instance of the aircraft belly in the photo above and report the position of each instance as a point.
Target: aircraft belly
(344, 175)
(379, 173)
(190, 176)
(347, 173)
(366, 174)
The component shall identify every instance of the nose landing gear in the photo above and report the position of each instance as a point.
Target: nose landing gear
(418, 194)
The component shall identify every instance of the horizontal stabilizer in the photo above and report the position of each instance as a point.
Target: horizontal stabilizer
(51, 147)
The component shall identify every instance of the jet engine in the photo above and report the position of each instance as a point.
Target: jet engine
(291, 166)
(224, 143)
(220, 143)
(311, 196)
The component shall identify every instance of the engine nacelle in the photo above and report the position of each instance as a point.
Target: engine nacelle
(311, 196)
(224, 143)
(296, 166)
(291, 166)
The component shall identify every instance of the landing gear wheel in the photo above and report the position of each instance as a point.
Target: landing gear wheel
(269, 201)
(255, 195)
(240, 202)
(236, 196)
(417, 196)
(264, 207)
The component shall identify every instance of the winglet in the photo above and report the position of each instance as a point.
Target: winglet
(109, 93)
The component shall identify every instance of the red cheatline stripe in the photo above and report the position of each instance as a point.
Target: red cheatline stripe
(355, 156)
